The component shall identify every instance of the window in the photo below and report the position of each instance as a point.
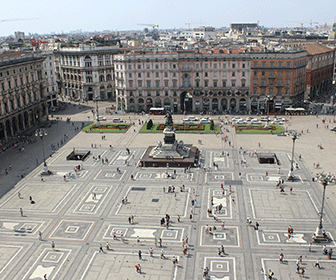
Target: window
(129, 66)
(233, 83)
(156, 66)
(197, 74)
(233, 65)
(243, 83)
(206, 65)
(206, 83)
(166, 74)
(174, 66)
(148, 84)
(156, 74)
(215, 65)
(130, 83)
(166, 83)
(139, 83)
(243, 74)
(214, 84)
(166, 93)
(157, 83)
(263, 73)
(197, 83)
(233, 74)
(174, 83)
(243, 65)
(224, 83)
(147, 66)
(148, 75)
(224, 65)
(139, 75)
(206, 74)
(130, 75)
(139, 66)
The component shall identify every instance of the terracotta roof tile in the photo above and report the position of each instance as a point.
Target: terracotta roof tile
(316, 49)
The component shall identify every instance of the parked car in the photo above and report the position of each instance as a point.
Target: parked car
(205, 120)
(264, 119)
(256, 122)
(236, 119)
(101, 118)
(117, 120)
(333, 129)
(242, 122)
(192, 118)
(187, 121)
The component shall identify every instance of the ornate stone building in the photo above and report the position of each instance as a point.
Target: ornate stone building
(186, 81)
(215, 81)
(23, 103)
(86, 73)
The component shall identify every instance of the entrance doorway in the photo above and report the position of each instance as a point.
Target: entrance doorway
(186, 102)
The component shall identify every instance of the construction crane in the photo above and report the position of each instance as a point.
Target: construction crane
(154, 26)
(312, 22)
(16, 19)
(299, 22)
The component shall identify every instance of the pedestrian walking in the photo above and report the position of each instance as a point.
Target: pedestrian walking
(53, 245)
(40, 235)
(160, 242)
(21, 212)
(107, 245)
(138, 268)
(140, 255)
(45, 277)
(222, 250)
(155, 242)
(162, 254)
(101, 248)
(150, 252)
(19, 195)
(317, 264)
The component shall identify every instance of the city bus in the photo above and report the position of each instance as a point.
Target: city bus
(157, 111)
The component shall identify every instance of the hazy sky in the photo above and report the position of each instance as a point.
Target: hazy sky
(66, 15)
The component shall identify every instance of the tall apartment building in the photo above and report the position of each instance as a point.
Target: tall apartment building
(216, 81)
(22, 100)
(186, 81)
(86, 73)
(277, 80)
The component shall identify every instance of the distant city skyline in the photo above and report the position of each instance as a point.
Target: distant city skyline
(64, 16)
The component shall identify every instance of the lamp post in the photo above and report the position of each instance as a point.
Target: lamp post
(319, 233)
(291, 176)
(41, 132)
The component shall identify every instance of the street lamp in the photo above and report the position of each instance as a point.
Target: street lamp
(291, 176)
(320, 233)
(41, 132)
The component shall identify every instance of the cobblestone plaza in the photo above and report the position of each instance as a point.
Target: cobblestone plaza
(85, 209)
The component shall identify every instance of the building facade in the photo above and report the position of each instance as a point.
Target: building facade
(319, 71)
(277, 80)
(50, 78)
(86, 73)
(217, 81)
(23, 103)
(182, 81)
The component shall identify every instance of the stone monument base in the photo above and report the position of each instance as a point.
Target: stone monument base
(191, 161)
